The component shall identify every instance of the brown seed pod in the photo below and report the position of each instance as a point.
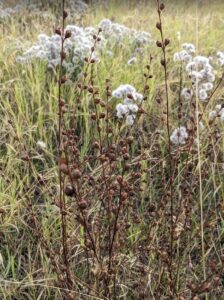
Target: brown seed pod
(58, 31)
(96, 100)
(159, 44)
(93, 116)
(69, 190)
(163, 62)
(63, 55)
(82, 204)
(65, 14)
(96, 145)
(126, 156)
(68, 34)
(64, 168)
(62, 102)
(158, 25)
(63, 79)
(162, 6)
(119, 179)
(76, 174)
(166, 42)
(90, 89)
(102, 115)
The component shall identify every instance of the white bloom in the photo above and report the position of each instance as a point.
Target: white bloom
(191, 66)
(128, 108)
(1, 260)
(201, 71)
(218, 107)
(137, 96)
(220, 58)
(201, 125)
(109, 53)
(179, 136)
(128, 101)
(220, 111)
(41, 145)
(187, 93)
(207, 86)
(222, 116)
(130, 120)
(81, 41)
(105, 24)
(196, 76)
(142, 37)
(201, 61)
(176, 57)
(190, 48)
(122, 110)
(123, 90)
(117, 94)
(211, 77)
(133, 108)
(212, 115)
(182, 56)
(202, 95)
(132, 61)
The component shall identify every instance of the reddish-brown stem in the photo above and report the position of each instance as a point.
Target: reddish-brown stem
(61, 190)
(169, 147)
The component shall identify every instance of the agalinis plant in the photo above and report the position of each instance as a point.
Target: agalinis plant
(163, 44)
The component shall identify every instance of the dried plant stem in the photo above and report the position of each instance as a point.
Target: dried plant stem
(61, 190)
(164, 64)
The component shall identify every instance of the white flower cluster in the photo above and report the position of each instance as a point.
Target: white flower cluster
(6, 12)
(35, 6)
(179, 136)
(115, 32)
(128, 108)
(220, 58)
(218, 112)
(79, 45)
(199, 70)
(186, 54)
(187, 93)
(75, 7)
(48, 48)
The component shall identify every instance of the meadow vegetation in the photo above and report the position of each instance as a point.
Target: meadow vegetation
(112, 150)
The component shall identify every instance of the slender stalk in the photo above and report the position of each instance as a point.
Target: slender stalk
(164, 63)
(61, 184)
